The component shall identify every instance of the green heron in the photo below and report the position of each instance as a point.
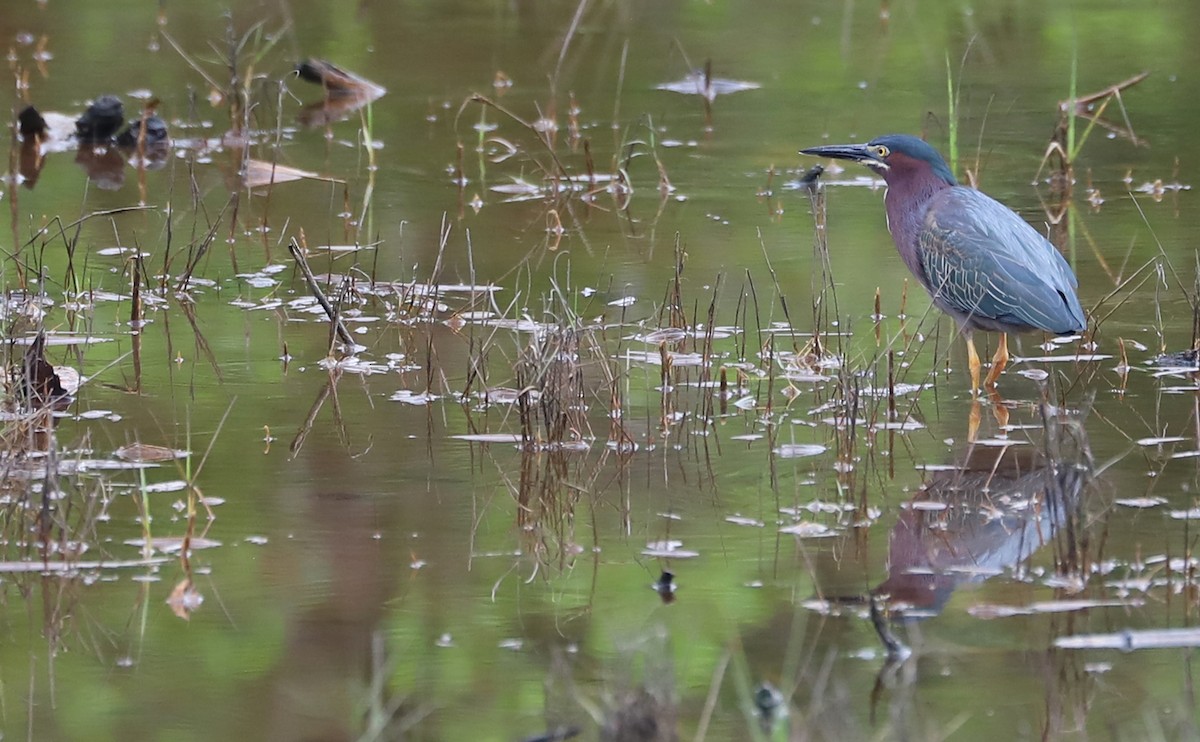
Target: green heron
(979, 261)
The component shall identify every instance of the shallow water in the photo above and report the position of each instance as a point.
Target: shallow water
(381, 565)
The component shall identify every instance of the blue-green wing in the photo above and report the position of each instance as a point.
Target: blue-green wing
(984, 263)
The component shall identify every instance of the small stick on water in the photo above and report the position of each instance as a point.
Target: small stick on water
(770, 354)
(460, 177)
(135, 305)
(891, 385)
(315, 288)
(589, 163)
(878, 319)
(724, 396)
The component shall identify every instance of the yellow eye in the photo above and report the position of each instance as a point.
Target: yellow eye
(881, 151)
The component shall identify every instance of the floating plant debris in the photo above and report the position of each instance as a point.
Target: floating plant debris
(145, 453)
(668, 549)
(799, 450)
(701, 82)
(257, 174)
(1160, 440)
(805, 529)
(51, 567)
(1133, 639)
(174, 544)
(986, 611)
(489, 437)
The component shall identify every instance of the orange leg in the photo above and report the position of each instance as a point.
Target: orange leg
(999, 361)
(973, 364)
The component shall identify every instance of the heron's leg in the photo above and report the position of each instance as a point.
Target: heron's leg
(974, 417)
(973, 364)
(999, 361)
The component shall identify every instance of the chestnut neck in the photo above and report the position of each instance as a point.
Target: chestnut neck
(911, 183)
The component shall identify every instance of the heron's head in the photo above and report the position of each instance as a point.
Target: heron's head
(896, 157)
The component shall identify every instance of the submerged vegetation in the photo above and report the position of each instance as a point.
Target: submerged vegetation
(554, 401)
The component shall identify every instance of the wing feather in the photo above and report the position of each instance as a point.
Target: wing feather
(984, 262)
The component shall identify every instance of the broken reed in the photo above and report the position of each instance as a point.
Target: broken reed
(45, 515)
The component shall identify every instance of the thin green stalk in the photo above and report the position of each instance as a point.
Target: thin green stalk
(952, 105)
(1071, 107)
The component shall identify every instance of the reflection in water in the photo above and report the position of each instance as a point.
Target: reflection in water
(987, 513)
(104, 165)
(332, 644)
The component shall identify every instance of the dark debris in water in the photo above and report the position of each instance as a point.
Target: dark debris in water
(30, 123)
(665, 586)
(345, 92)
(811, 178)
(155, 132)
(101, 147)
(1189, 358)
(559, 734)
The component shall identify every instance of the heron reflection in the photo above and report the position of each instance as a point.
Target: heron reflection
(985, 514)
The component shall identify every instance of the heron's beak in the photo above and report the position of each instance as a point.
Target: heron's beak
(855, 152)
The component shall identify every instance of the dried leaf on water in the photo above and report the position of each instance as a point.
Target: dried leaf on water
(700, 82)
(174, 485)
(741, 520)
(416, 399)
(657, 337)
(489, 437)
(654, 358)
(1141, 502)
(184, 599)
(173, 544)
(354, 365)
(668, 549)
(987, 610)
(799, 450)
(1132, 639)
(144, 452)
(258, 173)
(806, 529)
(1081, 358)
(1160, 440)
(39, 566)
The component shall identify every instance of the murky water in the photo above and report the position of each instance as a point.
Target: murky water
(584, 309)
